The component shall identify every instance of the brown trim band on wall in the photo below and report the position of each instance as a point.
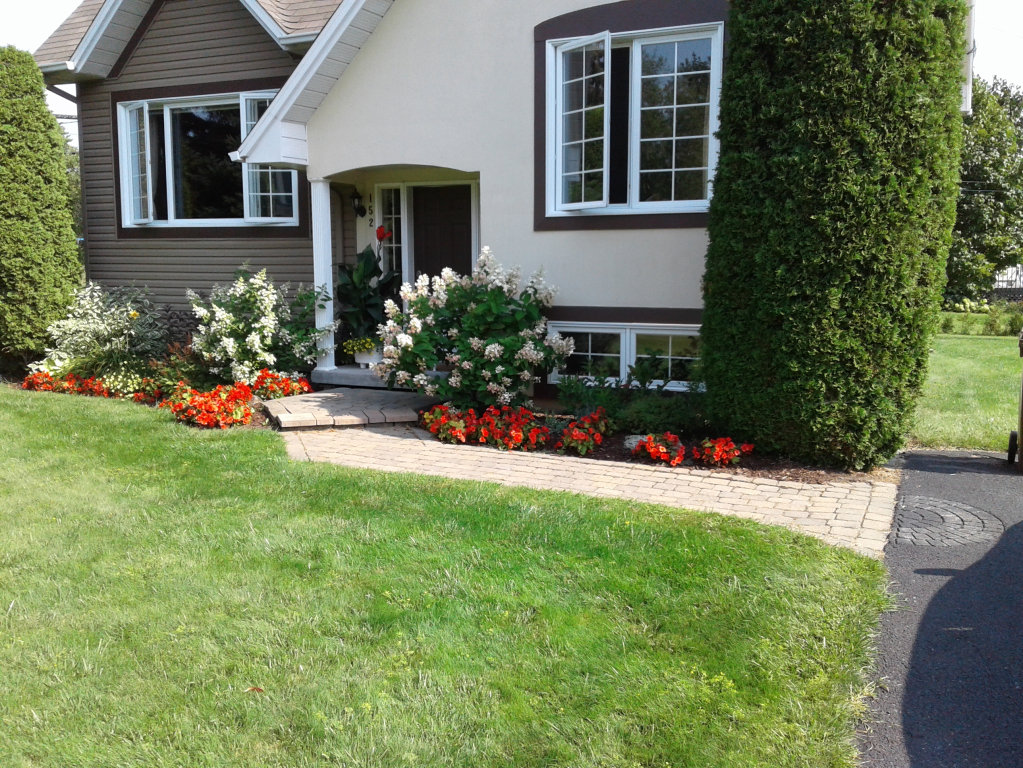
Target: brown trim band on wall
(625, 315)
(626, 16)
(300, 231)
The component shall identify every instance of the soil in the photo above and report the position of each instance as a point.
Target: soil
(613, 449)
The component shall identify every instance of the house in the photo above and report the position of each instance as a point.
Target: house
(573, 135)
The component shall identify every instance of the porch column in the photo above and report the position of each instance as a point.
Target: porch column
(323, 274)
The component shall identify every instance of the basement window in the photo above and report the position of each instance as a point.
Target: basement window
(175, 168)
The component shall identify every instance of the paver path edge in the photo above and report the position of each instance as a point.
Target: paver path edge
(857, 515)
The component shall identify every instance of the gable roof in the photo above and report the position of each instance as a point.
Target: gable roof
(93, 37)
(280, 135)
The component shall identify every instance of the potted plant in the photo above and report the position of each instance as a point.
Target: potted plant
(362, 288)
(365, 351)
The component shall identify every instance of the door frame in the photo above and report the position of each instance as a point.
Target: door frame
(407, 225)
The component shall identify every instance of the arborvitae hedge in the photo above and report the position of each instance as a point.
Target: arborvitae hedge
(833, 207)
(39, 264)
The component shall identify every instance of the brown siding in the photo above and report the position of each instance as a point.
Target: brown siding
(190, 44)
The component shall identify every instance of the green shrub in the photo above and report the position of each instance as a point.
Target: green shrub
(581, 395)
(947, 323)
(994, 323)
(1014, 319)
(111, 333)
(39, 265)
(250, 325)
(831, 220)
(681, 414)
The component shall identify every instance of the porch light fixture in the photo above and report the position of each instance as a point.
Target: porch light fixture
(357, 206)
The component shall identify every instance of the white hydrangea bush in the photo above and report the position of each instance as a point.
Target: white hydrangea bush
(112, 333)
(250, 325)
(483, 326)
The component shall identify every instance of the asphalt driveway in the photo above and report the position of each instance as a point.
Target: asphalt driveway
(951, 658)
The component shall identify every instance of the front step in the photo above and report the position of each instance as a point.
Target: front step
(345, 407)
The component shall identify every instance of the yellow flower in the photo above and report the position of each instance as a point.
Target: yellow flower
(134, 315)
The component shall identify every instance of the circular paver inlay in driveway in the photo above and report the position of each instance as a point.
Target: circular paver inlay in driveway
(938, 523)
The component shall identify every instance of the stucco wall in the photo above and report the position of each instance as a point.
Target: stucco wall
(450, 84)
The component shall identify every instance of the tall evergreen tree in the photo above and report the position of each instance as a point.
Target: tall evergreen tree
(833, 207)
(39, 262)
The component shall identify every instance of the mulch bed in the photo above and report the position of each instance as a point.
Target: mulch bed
(613, 449)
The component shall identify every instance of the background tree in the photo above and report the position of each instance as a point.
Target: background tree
(39, 264)
(988, 234)
(832, 215)
(72, 165)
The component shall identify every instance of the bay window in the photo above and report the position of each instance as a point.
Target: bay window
(175, 168)
(631, 121)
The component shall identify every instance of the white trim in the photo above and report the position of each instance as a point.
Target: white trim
(628, 333)
(108, 15)
(407, 225)
(636, 38)
(263, 145)
(603, 38)
(323, 267)
(266, 21)
(93, 34)
(971, 53)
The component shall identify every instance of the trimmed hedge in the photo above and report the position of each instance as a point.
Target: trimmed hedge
(832, 215)
(39, 264)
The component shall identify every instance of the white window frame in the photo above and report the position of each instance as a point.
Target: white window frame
(554, 208)
(131, 162)
(128, 218)
(407, 225)
(559, 127)
(628, 332)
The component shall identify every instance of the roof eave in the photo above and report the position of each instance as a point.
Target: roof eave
(276, 139)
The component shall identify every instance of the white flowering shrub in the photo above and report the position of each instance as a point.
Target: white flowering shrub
(250, 325)
(492, 333)
(112, 333)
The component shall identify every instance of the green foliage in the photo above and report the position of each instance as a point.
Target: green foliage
(997, 319)
(250, 325)
(988, 235)
(681, 414)
(362, 290)
(39, 264)
(831, 220)
(111, 333)
(491, 332)
(181, 365)
(585, 394)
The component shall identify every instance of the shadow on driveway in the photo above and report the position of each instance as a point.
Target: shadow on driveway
(963, 700)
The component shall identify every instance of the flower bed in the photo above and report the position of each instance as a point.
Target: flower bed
(668, 448)
(223, 407)
(507, 428)
(519, 429)
(584, 435)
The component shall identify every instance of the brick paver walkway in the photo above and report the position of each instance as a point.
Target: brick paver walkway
(856, 515)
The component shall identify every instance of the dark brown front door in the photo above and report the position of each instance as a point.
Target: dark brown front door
(442, 229)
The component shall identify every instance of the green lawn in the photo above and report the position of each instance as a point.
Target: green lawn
(151, 575)
(971, 399)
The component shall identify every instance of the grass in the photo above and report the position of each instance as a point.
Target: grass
(971, 398)
(152, 576)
